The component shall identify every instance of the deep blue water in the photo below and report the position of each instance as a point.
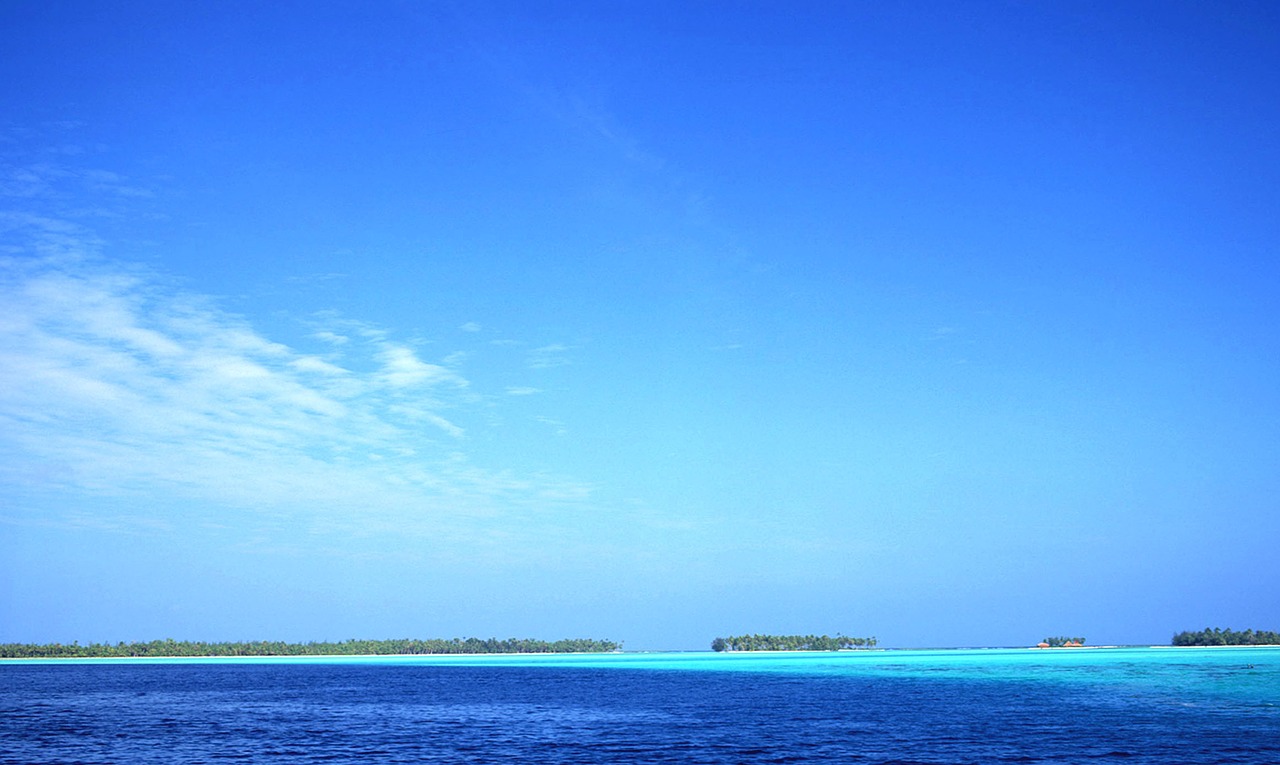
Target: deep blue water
(891, 707)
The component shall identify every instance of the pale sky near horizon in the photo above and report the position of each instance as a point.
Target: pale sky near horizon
(948, 323)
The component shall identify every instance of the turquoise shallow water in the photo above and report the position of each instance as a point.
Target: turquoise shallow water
(1139, 706)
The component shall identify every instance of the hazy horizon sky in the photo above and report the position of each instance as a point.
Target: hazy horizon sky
(947, 323)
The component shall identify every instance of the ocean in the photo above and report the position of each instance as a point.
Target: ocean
(1130, 705)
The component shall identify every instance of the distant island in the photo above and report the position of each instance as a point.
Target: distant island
(1062, 642)
(1217, 636)
(790, 643)
(187, 648)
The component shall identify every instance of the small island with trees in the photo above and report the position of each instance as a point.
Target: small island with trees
(1062, 642)
(791, 643)
(1218, 636)
(406, 647)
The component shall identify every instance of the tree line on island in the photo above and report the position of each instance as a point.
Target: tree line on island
(412, 647)
(1062, 642)
(1218, 636)
(790, 643)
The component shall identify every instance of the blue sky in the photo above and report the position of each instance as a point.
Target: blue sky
(949, 323)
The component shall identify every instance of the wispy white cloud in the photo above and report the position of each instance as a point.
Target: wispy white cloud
(129, 404)
(402, 368)
(114, 183)
(49, 180)
(522, 390)
(28, 181)
(327, 276)
(547, 356)
(557, 426)
(424, 414)
(317, 365)
(114, 384)
(331, 337)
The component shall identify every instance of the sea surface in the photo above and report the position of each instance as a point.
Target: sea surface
(1130, 705)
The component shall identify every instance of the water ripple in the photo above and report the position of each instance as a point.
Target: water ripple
(563, 715)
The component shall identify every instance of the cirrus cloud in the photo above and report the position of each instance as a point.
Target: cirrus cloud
(115, 384)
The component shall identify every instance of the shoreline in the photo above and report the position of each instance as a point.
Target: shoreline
(313, 656)
(318, 657)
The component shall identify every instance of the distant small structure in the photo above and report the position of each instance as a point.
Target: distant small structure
(1061, 642)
